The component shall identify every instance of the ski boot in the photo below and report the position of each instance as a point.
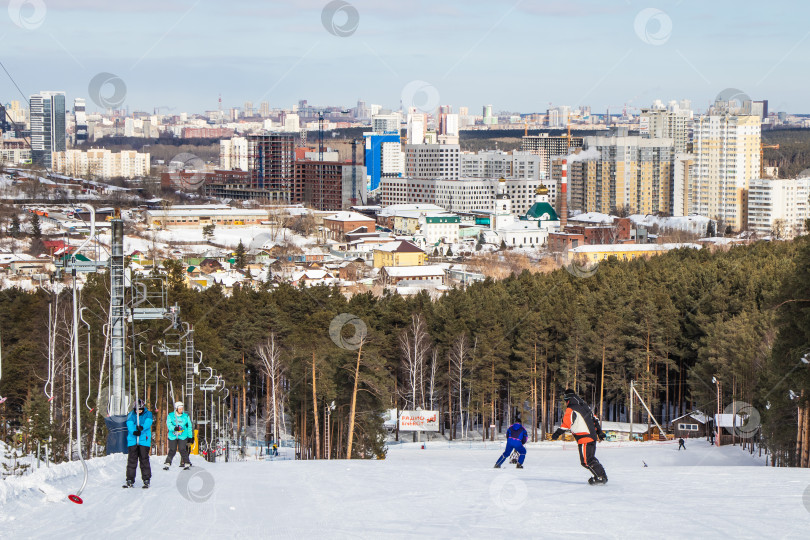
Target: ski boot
(146, 484)
(519, 466)
(497, 466)
(187, 466)
(129, 484)
(165, 466)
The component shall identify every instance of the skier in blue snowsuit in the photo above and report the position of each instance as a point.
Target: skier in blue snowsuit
(516, 437)
(139, 440)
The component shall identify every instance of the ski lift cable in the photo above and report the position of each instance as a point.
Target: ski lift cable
(89, 382)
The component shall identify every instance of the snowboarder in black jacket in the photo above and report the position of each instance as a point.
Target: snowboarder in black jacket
(586, 429)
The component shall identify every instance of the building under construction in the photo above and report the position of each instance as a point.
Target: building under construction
(271, 163)
(549, 147)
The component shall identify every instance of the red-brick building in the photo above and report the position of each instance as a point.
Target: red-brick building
(318, 184)
(620, 232)
(340, 223)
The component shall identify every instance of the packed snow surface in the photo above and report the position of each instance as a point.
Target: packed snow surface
(442, 491)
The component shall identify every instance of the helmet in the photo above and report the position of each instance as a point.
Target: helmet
(178, 404)
(569, 394)
(140, 405)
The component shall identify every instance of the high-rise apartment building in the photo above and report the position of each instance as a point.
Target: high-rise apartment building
(727, 157)
(417, 124)
(271, 162)
(385, 123)
(614, 173)
(462, 195)
(497, 164)
(233, 154)
(448, 128)
(328, 185)
(4, 123)
(101, 163)
(383, 157)
(671, 122)
(548, 147)
(778, 207)
(48, 135)
(432, 161)
(558, 116)
(80, 118)
(488, 118)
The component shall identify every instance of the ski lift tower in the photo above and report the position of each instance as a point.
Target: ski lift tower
(119, 400)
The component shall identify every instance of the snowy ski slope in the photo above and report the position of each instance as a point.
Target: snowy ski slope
(442, 491)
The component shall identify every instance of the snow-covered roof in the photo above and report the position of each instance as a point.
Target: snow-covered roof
(348, 216)
(429, 270)
(229, 212)
(697, 415)
(311, 274)
(397, 209)
(681, 223)
(591, 217)
(721, 240)
(728, 421)
(623, 427)
(401, 246)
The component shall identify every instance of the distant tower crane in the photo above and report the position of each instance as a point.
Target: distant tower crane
(762, 148)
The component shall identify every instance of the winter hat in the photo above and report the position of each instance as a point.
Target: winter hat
(178, 404)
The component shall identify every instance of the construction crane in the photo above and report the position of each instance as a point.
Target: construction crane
(762, 148)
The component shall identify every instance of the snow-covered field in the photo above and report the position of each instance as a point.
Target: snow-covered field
(443, 491)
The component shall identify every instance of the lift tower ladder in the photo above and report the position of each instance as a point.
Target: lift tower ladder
(189, 350)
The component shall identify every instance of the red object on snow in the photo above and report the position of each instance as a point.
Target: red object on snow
(76, 499)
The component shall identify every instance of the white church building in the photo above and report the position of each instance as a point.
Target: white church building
(530, 230)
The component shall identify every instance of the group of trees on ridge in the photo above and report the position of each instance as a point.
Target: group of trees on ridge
(674, 324)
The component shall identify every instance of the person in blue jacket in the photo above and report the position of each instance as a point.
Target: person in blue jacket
(516, 437)
(139, 440)
(179, 425)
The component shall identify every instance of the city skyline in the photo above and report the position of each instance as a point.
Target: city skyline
(519, 57)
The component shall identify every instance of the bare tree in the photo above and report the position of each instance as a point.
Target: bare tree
(433, 367)
(270, 354)
(459, 353)
(353, 410)
(779, 228)
(415, 344)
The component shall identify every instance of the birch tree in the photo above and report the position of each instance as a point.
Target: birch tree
(459, 354)
(415, 345)
(270, 354)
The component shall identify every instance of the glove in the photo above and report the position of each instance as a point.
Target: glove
(601, 435)
(177, 429)
(137, 432)
(557, 434)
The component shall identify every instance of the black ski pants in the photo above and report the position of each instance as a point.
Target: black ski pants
(138, 453)
(587, 457)
(174, 446)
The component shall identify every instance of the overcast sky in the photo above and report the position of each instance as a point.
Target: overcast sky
(517, 56)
